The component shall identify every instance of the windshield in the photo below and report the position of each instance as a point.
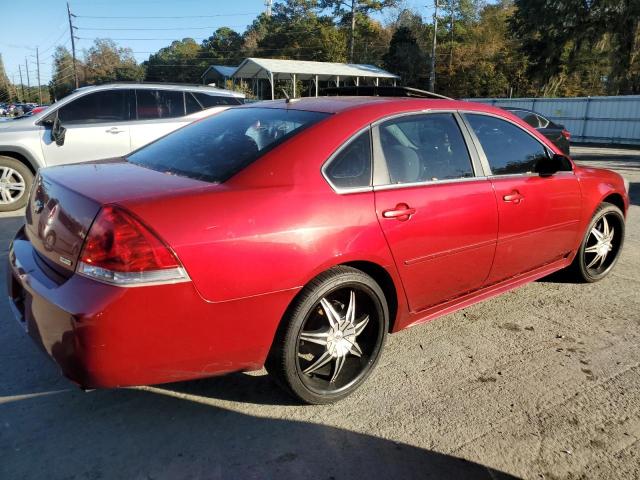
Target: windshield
(216, 148)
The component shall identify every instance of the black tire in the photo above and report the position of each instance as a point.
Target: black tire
(290, 354)
(580, 269)
(22, 172)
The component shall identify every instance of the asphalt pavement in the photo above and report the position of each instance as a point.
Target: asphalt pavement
(542, 382)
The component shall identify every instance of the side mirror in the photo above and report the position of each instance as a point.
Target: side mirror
(58, 132)
(549, 165)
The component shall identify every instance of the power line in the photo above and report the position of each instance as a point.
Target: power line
(170, 17)
(155, 29)
(55, 43)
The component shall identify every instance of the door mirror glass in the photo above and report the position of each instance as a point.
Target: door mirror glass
(58, 131)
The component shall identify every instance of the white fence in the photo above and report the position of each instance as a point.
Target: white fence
(589, 119)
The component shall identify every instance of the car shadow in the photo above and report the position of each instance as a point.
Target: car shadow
(156, 434)
(561, 276)
(259, 389)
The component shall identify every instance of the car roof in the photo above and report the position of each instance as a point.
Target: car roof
(163, 86)
(333, 104)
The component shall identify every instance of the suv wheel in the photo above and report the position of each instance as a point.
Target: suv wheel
(15, 184)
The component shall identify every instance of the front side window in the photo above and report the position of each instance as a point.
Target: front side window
(216, 148)
(421, 148)
(153, 104)
(508, 148)
(351, 167)
(98, 107)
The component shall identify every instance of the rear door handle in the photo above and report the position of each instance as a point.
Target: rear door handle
(515, 197)
(401, 212)
(114, 130)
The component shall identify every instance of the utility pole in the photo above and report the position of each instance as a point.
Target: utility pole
(451, 4)
(267, 4)
(26, 67)
(73, 45)
(353, 30)
(21, 84)
(432, 74)
(38, 70)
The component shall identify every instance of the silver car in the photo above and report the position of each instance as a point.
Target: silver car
(97, 122)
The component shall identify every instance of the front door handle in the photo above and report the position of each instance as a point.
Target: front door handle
(401, 212)
(515, 197)
(114, 130)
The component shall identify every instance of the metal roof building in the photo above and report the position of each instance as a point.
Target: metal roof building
(217, 74)
(273, 70)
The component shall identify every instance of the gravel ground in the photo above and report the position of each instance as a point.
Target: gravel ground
(542, 382)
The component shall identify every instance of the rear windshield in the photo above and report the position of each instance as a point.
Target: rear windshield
(216, 148)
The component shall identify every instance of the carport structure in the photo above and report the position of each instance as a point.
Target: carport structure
(273, 70)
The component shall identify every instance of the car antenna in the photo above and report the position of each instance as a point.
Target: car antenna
(289, 99)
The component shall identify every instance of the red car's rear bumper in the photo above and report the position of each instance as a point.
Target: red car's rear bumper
(105, 336)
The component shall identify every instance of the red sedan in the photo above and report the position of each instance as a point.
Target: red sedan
(296, 235)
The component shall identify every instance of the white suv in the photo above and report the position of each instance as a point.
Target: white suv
(97, 122)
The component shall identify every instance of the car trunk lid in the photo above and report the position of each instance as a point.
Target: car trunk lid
(56, 222)
(65, 200)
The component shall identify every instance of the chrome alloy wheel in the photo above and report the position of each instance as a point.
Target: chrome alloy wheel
(12, 185)
(602, 244)
(337, 340)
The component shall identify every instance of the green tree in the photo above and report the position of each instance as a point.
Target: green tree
(254, 34)
(352, 12)
(223, 47)
(295, 31)
(62, 81)
(180, 62)
(406, 58)
(106, 62)
(5, 87)
(484, 58)
(560, 38)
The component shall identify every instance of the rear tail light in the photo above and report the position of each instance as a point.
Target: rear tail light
(566, 134)
(121, 250)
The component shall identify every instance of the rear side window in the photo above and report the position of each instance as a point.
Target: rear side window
(216, 148)
(152, 104)
(543, 122)
(98, 107)
(351, 167)
(421, 148)
(529, 117)
(509, 149)
(208, 101)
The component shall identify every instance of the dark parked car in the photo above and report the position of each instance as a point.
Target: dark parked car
(554, 132)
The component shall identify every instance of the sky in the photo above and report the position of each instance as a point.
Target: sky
(27, 24)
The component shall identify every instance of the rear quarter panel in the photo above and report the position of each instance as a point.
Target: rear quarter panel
(274, 226)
